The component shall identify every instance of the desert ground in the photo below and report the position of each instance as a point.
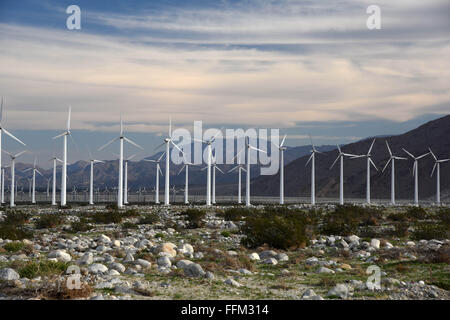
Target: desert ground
(225, 252)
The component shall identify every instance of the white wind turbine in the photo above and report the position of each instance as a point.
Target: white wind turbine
(392, 159)
(368, 156)
(167, 142)
(64, 162)
(437, 166)
(125, 188)
(55, 160)
(281, 148)
(248, 147)
(312, 158)
(34, 169)
(158, 171)
(92, 161)
(186, 183)
(240, 167)
(208, 164)
(13, 166)
(341, 176)
(3, 184)
(416, 174)
(2, 129)
(121, 138)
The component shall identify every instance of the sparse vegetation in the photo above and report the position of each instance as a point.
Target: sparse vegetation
(107, 217)
(195, 217)
(14, 246)
(43, 268)
(150, 218)
(49, 220)
(82, 225)
(429, 230)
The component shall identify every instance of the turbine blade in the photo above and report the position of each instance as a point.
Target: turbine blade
(387, 163)
(389, 149)
(335, 161)
(310, 157)
(424, 155)
(150, 160)
(1, 111)
(131, 157)
(434, 167)
(177, 147)
(20, 153)
(105, 145)
(400, 158)
(370, 160)
(121, 125)
(204, 168)
(237, 154)
(39, 172)
(161, 156)
(251, 147)
(133, 143)
(202, 141)
(414, 168)
(73, 141)
(181, 169)
(160, 171)
(371, 146)
(443, 160)
(339, 148)
(68, 119)
(220, 170)
(282, 141)
(233, 169)
(160, 146)
(12, 136)
(431, 152)
(58, 136)
(408, 153)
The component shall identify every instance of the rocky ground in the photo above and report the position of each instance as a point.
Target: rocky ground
(163, 258)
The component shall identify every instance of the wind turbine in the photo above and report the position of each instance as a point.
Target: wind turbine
(167, 142)
(91, 177)
(158, 171)
(392, 158)
(240, 167)
(208, 165)
(312, 158)
(247, 148)
(13, 166)
(34, 169)
(48, 187)
(55, 159)
(416, 174)
(121, 138)
(3, 184)
(125, 190)
(437, 165)
(341, 178)
(281, 148)
(214, 167)
(2, 129)
(186, 183)
(368, 156)
(64, 162)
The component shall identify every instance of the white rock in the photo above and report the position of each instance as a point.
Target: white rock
(8, 274)
(87, 258)
(340, 290)
(324, 270)
(232, 282)
(253, 256)
(60, 255)
(194, 270)
(183, 263)
(271, 261)
(375, 243)
(143, 263)
(97, 268)
(164, 262)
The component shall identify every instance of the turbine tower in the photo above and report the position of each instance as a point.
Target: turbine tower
(281, 148)
(247, 148)
(92, 161)
(186, 183)
(54, 159)
(64, 162)
(368, 156)
(437, 166)
(416, 175)
(158, 171)
(121, 139)
(214, 167)
(13, 165)
(3, 185)
(125, 188)
(2, 129)
(208, 165)
(392, 158)
(341, 176)
(240, 167)
(167, 142)
(33, 193)
(312, 158)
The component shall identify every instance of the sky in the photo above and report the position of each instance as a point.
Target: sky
(306, 67)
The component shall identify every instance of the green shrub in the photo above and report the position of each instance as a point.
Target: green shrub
(195, 217)
(49, 220)
(149, 219)
(129, 225)
(43, 268)
(281, 230)
(238, 213)
(14, 246)
(159, 235)
(418, 213)
(225, 234)
(443, 215)
(16, 218)
(12, 226)
(428, 231)
(80, 226)
(346, 219)
(401, 230)
(130, 213)
(112, 207)
(107, 217)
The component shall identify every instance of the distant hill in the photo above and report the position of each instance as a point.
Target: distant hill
(434, 134)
